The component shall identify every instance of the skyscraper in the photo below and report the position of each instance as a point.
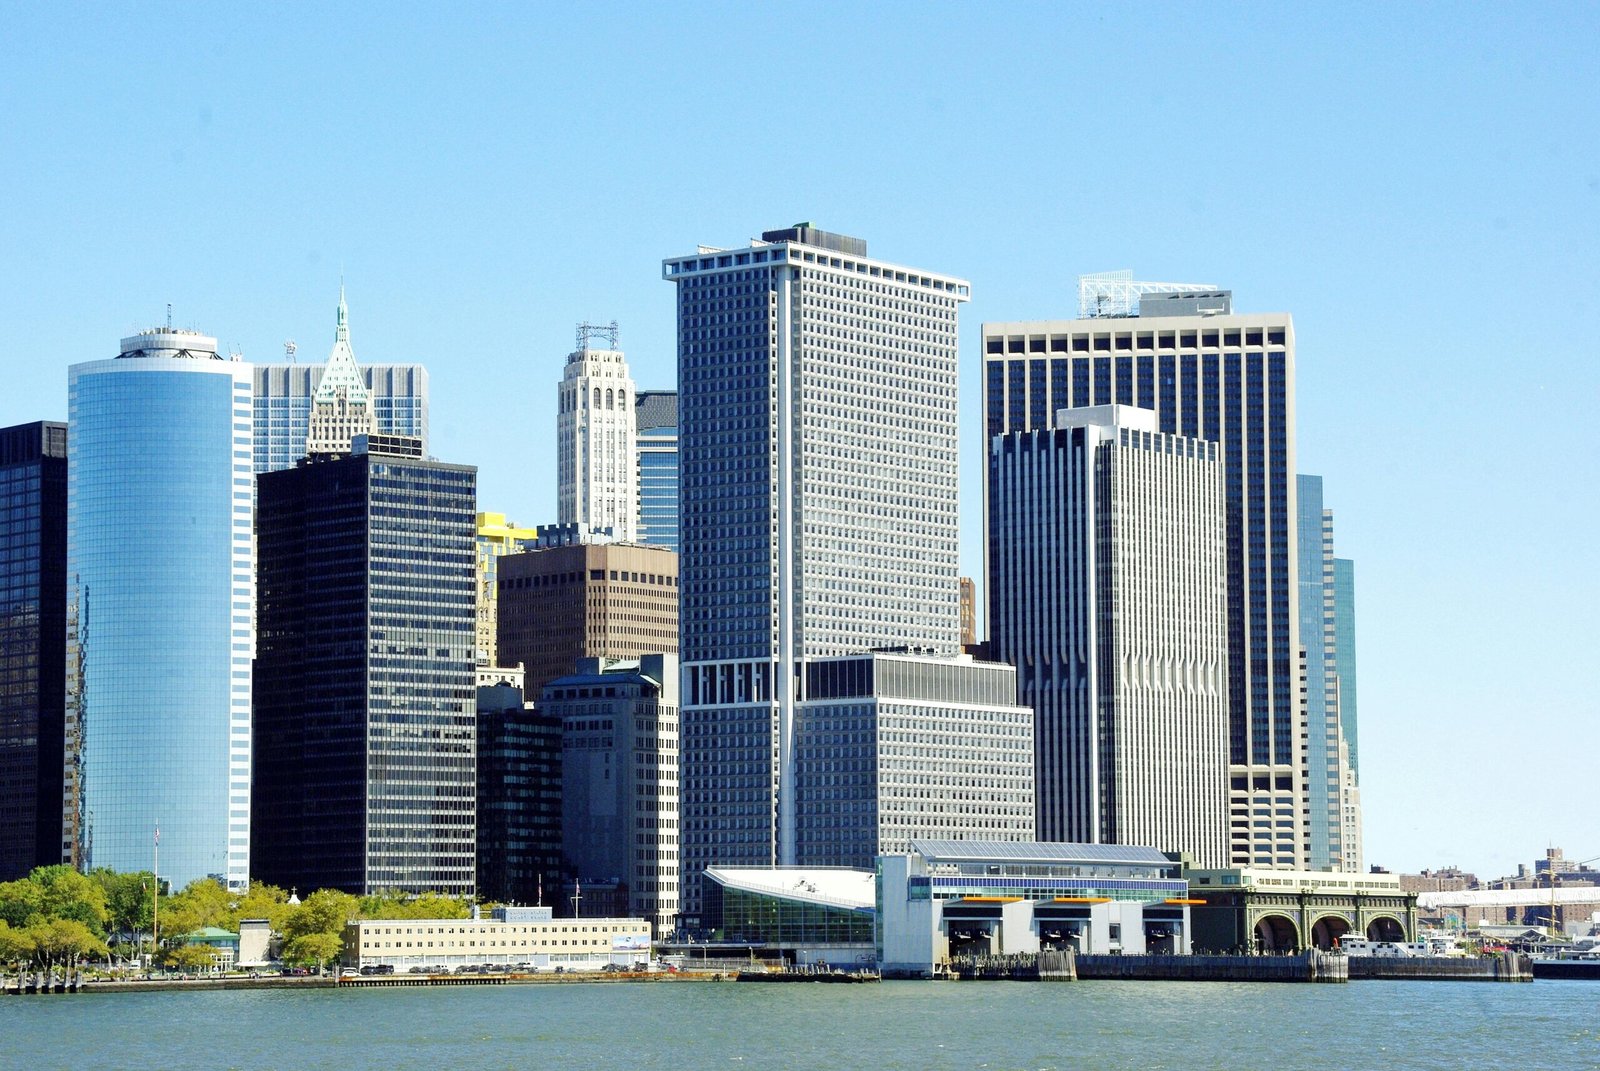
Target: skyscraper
(366, 727)
(33, 632)
(817, 395)
(656, 415)
(596, 472)
(282, 407)
(160, 575)
(497, 537)
(1351, 837)
(342, 407)
(519, 795)
(1212, 374)
(1107, 557)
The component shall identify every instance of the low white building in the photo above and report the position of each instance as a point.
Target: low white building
(525, 937)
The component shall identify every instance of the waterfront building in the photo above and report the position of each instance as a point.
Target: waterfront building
(1208, 373)
(33, 634)
(282, 403)
(1107, 558)
(342, 407)
(943, 899)
(597, 483)
(656, 430)
(496, 537)
(575, 600)
(619, 779)
(161, 605)
(519, 794)
(365, 773)
(1257, 909)
(804, 915)
(1333, 802)
(818, 486)
(526, 937)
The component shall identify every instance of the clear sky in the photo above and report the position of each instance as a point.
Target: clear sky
(1418, 185)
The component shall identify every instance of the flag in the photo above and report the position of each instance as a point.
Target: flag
(158, 836)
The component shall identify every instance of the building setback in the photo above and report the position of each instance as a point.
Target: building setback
(281, 407)
(1228, 378)
(619, 770)
(818, 493)
(519, 795)
(365, 718)
(1106, 552)
(33, 634)
(585, 600)
(161, 601)
(656, 429)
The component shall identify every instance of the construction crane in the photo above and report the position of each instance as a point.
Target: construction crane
(587, 330)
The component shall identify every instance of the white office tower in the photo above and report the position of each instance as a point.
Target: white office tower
(342, 407)
(597, 475)
(817, 439)
(1107, 552)
(1226, 377)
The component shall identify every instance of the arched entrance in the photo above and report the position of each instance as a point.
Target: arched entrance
(1276, 934)
(1385, 928)
(1328, 930)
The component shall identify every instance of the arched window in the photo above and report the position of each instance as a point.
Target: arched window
(597, 397)
(622, 399)
(608, 399)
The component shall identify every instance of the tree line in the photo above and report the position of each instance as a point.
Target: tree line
(58, 917)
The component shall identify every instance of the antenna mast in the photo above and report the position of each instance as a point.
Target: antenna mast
(288, 349)
(587, 330)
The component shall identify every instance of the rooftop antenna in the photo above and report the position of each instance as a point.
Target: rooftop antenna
(587, 330)
(288, 349)
(169, 317)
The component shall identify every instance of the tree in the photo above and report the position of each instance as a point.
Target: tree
(324, 911)
(16, 945)
(71, 895)
(130, 899)
(192, 957)
(313, 949)
(423, 906)
(262, 901)
(63, 942)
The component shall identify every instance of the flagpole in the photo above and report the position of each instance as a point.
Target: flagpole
(155, 913)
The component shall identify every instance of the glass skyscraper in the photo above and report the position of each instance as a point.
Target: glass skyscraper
(656, 443)
(1214, 374)
(160, 576)
(33, 630)
(282, 403)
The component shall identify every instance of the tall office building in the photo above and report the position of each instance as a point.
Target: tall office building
(619, 779)
(342, 406)
(33, 633)
(1327, 632)
(656, 430)
(969, 613)
(1209, 373)
(597, 482)
(497, 537)
(585, 600)
(366, 727)
(1107, 557)
(282, 402)
(519, 795)
(817, 389)
(161, 601)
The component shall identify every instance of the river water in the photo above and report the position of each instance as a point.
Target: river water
(927, 1026)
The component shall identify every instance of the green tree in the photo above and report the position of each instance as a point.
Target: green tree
(324, 911)
(192, 957)
(423, 906)
(64, 942)
(16, 945)
(130, 899)
(262, 901)
(21, 903)
(313, 949)
(71, 895)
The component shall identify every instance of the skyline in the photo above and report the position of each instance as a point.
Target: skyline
(1382, 179)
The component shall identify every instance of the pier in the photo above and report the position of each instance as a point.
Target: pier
(1300, 967)
(1503, 967)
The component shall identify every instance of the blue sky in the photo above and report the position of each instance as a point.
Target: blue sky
(1418, 185)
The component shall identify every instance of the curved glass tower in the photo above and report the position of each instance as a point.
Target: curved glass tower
(160, 604)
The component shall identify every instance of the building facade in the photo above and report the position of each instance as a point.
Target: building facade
(366, 729)
(596, 471)
(33, 634)
(497, 537)
(619, 778)
(1254, 909)
(1208, 373)
(818, 481)
(342, 407)
(656, 430)
(525, 937)
(561, 603)
(161, 605)
(519, 795)
(1106, 551)
(282, 402)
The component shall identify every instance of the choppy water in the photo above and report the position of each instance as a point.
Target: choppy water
(927, 1026)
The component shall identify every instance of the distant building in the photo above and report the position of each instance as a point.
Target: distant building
(969, 613)
(342, 406)
(496, 538)
(524, 937)
(596, 472)
(161, 609)
(33, 635)
(585, 600)
(656, 424)
(1107, 562)
(366, 732)
(519, 797)
(619, 778)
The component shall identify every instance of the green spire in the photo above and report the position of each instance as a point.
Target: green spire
(341, 333)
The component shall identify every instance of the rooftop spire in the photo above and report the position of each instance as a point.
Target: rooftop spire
(341, 333)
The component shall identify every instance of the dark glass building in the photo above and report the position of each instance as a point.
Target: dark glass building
(365, 728)
(519, 800)
(33, 630)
